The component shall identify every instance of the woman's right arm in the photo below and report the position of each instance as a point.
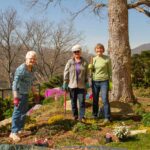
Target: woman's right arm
(16, 80)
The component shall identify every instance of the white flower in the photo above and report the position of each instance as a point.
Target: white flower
(121, 131)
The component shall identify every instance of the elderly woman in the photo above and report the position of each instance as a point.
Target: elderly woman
(22, 83)
(75, 78)
(101, 73)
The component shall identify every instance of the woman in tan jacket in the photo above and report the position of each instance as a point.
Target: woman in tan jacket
(75, 78)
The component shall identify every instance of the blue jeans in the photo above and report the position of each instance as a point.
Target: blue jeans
(79, 94)
(19, 114)
(102, 86)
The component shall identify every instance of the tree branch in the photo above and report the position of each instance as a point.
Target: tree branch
(141, 10)
(145, 4)
(139, 3)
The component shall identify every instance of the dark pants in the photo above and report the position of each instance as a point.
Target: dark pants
(79, 94)
(102, 86)
(19, 114)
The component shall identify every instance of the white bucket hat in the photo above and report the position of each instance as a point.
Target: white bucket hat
(76, 48)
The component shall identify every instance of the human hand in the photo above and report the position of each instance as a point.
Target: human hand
(90, 66)
(87, 85)
(65, 86)
(16, 101)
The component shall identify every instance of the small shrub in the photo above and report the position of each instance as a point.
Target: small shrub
(56, 118)
(55, 81)
(8, 113)
(47, 101)
(6, 107)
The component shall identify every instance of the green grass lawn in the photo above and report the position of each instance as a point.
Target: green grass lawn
(138, 142)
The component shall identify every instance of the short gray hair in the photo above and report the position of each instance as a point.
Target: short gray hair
(31, 54)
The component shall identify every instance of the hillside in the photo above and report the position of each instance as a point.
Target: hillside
(140, 48)
(51, 124)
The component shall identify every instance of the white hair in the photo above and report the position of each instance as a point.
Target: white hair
(31, 54)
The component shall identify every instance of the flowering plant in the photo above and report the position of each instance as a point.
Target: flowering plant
(122, 131)
(55, 92)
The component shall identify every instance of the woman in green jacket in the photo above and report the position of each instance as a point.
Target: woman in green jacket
(100, 82)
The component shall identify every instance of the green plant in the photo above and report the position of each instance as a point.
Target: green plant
(146, 119)
(79, 127)
(55, 81)
(6, 107)
(8, 113)
(47, 100)
(138, 109)
(140, 69)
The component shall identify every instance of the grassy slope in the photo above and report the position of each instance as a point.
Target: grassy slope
(50, 122)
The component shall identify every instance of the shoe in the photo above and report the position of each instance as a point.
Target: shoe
(20, 132)
(105, 122)
(75, 118)
(94, 117)
(23, 132)
(82, 119)
(14, 137)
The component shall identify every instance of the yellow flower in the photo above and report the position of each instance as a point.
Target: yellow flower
(55, 118)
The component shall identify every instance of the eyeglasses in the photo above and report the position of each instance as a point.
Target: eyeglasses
(76, 52)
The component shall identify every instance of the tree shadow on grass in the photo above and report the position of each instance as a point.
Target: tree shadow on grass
(123, 111)
(130, 139)
(59, 126)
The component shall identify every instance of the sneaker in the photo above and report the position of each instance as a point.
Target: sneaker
(94, 117)
(105, 122)
(22, 132)
(75, 118)
(82, 119)
(14, 137)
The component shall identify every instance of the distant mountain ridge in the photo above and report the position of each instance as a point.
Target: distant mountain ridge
(140, 48)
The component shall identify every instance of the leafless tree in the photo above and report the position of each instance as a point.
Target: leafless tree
(64, 37)
(9, 42)
(118, 44)
(51, 43)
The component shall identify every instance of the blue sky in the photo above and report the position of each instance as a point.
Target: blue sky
(94, 30)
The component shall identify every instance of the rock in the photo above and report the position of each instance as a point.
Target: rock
(5, 122)
(120, 110)
(37, 106)
(135, 132)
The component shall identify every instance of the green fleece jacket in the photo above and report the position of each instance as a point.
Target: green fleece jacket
(101, 68)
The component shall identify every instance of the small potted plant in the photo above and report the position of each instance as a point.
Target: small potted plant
(121, 132)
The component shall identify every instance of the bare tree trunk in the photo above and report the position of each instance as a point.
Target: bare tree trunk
(120, 51)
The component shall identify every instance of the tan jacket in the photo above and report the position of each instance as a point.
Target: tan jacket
(70, 74)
